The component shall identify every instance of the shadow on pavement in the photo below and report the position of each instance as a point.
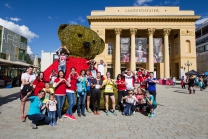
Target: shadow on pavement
(181, 91)
(9, 98)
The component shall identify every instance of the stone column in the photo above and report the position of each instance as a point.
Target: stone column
(151, 32)
(132, 59)
(166, 32)
(117, 52)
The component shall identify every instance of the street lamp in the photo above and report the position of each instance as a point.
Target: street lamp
(188, 64)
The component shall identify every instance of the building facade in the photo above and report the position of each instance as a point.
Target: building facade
(202, 47)
(159, 39)
(47, 58)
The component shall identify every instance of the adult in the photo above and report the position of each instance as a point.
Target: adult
(89, 91)
(108, 92)
(26, 86)
(151, 104)
(72, 80)
(101, 67)
(142, 80)
(191, 83)
(39, 83)
(34, 113)
(122, 92)
(129, 79)
(96, 93)
(151, 84)
(81, 93)
(60, 85)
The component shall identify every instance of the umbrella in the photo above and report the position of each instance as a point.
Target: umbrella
(35, 64)
(192, 72)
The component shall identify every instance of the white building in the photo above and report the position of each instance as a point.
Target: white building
(47, 58)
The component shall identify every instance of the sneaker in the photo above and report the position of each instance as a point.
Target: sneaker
(54, 123)
(73, 117)
(79, 114)
(114, 113)
(33, 126)
(23, 119)
(84, 115)
(151, 115)
(66, 115)
(61, 120)
(51, 124)
(154, 112)
(89, 111)
(133, 113)
(107, 112)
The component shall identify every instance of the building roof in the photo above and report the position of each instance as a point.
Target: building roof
(8, 63)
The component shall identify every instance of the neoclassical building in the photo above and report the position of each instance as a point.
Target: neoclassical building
(159, 39)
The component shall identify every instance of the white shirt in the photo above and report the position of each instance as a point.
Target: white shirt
(28, 78)
(51, 105)
(101, 68)
(131, 100)
(129, 80)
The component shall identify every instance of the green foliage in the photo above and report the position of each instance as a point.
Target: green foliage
(28, 59)
(75, 36)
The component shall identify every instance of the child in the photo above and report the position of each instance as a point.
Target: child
(51, 105)
(48, 91)
(62, 58)
(91, 64)
(130, 103)
(151, 104)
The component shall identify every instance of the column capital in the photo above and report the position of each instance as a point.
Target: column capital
(151, 31)
(133, 31)
(118, 31)
(166, 31)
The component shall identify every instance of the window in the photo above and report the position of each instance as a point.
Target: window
(21, 54)
(206, 47)
(110, 48)
(176, 48)
(2, 55)
(23, 40)
(169, 49)
(188, 46)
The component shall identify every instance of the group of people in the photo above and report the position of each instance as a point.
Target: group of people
(194, 82)
(136, 92)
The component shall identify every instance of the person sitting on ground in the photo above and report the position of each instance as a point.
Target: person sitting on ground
(130, 106)
(51, 106)
(48, 92)
(140, 97)
(36, 105)
(62, 58)
(151, 104)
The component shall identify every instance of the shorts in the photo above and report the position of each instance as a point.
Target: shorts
(89, 92)
(108, 94)
(23, 95)
(191, 85)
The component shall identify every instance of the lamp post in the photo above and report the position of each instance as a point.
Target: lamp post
(188, 64)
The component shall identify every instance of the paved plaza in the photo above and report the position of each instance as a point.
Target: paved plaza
(178, 116)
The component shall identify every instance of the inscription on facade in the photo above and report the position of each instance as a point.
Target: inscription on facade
(142, 10)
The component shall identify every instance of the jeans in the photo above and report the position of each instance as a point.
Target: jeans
(60, 103)
(44, 110)
(62, 67)
(121, 94)
(81, 102)
(39, 118)
(96, 93)
(52, 116)
(72, 102)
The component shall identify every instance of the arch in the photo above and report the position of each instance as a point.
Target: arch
(188, 46)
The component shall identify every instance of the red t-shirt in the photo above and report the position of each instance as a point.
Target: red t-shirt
(73, 82)
(61, 88)
(141, 79)
(39, 86)
(121, 85)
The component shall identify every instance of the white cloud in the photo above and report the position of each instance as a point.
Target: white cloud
(8, 6)
(141, 2)
(200, 21)
(29, 50)
(81, 19)
(15, 19)
(73, 22)
(49, 17)
(19, 29)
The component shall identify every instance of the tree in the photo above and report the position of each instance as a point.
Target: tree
(28, 59)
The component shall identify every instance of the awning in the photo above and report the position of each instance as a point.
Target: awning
(15, 64)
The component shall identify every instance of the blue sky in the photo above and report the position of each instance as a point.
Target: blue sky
(38, 20)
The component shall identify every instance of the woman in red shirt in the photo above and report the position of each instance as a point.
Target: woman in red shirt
(70, 92)
(60, 84)
(122, 92)
(39, 83)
